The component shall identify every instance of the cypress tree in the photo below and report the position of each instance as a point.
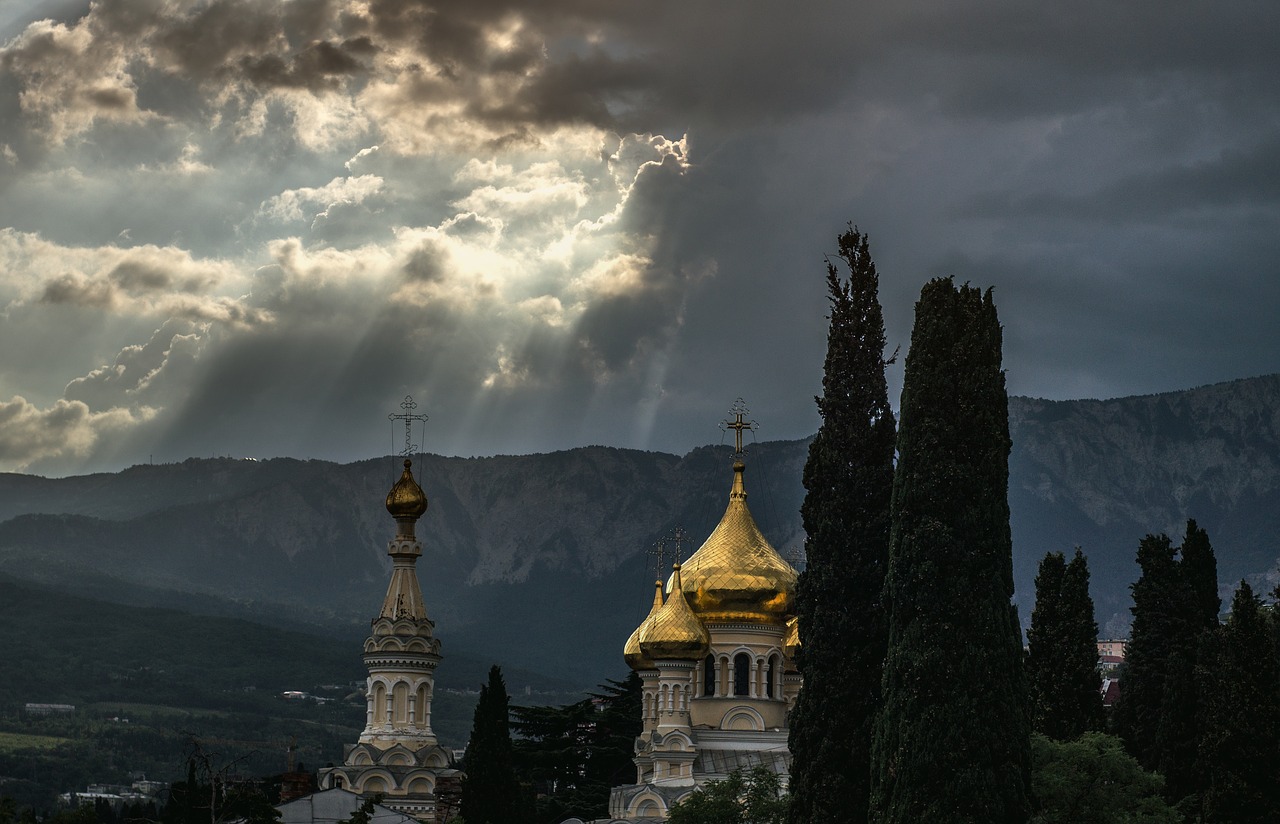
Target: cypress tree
(848, 481)
(952, 743)
(1175, 607)
(1156, 607)
(1200, 570)
(1240, 747)
(1062, 674)
(490, 794)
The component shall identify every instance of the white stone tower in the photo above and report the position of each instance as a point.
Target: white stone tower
(397, 755)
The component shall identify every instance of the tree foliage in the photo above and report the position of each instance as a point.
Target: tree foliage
(952, 741)
(490, 793)
(1175, 605)
(848, 481)
(1092, 780)
(745, 797)
(1240, 746)
(1062, 674)
(574, 754)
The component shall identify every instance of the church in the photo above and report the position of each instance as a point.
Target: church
(716, 656)
(397, 755)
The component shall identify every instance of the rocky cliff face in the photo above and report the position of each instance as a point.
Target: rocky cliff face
(541, 560)
(1101, 474)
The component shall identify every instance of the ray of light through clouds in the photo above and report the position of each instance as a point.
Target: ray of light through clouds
(249, 228)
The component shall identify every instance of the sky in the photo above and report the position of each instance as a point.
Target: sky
(250, 229)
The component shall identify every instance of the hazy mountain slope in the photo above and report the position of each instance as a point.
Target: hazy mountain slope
(520, 552)
(1101, 474)
(541, 560)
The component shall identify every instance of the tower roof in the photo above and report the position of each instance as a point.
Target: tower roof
(674, 632)
(737, 575)
(631, 653)
(406, 500)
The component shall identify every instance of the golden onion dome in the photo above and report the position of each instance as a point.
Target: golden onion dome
(406, 500)
(674, 632)
(792, 643)
(631, 652)
(737, 576)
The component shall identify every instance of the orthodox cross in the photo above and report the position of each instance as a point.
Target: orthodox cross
(739, 411)
(659, 551)
(408, 405)
(679, 537)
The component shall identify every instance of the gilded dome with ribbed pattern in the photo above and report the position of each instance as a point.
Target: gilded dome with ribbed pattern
(792, 642)
(737, 576)
(406, 499)
(631, 652)
(674, 632)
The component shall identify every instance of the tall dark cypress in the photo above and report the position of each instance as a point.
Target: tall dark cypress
(1240, 746)
(1175, 606)
(848, 481)
(1157, 606)
(490, 794)
(1200, 570)
(952, 741)
(1062, 674)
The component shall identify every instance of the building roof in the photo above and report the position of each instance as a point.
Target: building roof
(737, 575)
(334, 806)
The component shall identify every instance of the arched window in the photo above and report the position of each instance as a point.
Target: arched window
(709, 676)
(773, 672)
(741, 674)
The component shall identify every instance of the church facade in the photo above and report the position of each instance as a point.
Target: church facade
(397, 756)
(717, 659)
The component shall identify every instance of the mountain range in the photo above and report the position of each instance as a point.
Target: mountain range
(543, 562)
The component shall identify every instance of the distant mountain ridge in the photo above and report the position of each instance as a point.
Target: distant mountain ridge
(541, 560)
(1101, 474)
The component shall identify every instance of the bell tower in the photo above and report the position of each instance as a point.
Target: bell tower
(397, 756)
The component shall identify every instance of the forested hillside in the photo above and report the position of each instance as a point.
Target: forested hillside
(541, 560)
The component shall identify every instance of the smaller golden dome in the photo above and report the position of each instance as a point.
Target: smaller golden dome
(675, 632)
(406, 500)
(631, 652)
(792, 643)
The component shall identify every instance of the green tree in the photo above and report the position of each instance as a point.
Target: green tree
(1175, 605)
(745, 797)
(574, 754)
(1199, 568)
(364, 813)
(12, 813)
(1062, 673)
(490, 793)
(848, 480)
(952, 741)
(1092, 780)
(1240, 747)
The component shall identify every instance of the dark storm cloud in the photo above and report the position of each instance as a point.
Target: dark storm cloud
(1237, 177)
(447, 198)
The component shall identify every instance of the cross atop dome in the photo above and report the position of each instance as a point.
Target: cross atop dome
(408, 416)
(739, 411)
(659, 550)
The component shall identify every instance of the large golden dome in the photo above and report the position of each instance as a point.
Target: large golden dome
(674, 632)
(406, 500)
(631, 652)
(737, 576)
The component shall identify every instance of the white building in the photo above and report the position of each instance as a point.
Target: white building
(717, 660)
(397, 755)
